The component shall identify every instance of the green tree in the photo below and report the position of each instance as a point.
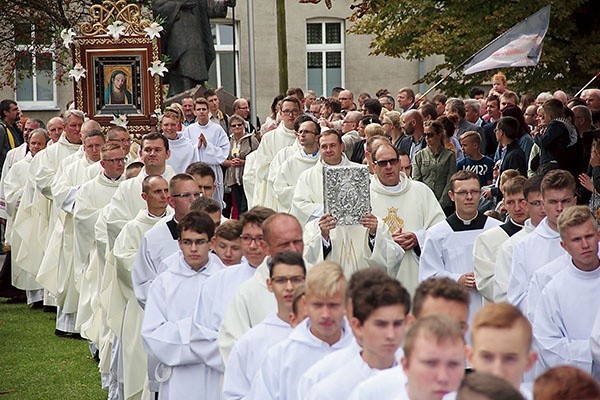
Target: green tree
(456, 29)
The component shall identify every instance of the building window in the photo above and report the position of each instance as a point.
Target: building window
(225, 71)
(324, 56)
(35, 71)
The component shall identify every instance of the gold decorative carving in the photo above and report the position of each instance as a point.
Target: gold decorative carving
(393, 221)
(108, 12)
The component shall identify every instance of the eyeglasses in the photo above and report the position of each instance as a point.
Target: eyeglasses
(305, 132)
(190, 242)
(283, 280)
(237, 125)
(464, 193)
(290, 112)
(115, 160)
(120, 140)
(195, 195)
(247, 239)
(385, 163)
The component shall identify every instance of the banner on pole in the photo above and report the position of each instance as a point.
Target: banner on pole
(520, 46)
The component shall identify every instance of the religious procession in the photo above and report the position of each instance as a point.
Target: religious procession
(386, 244)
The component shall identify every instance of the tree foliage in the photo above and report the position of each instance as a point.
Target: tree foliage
(456, 29)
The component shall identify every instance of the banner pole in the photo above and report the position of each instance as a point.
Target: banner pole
(587, 84)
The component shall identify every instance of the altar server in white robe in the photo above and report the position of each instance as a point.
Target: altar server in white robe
(448, 249)
(433, 296)
(211, 142)
(57, 269)
(167, 324)
(126, 203)
(487, 244)
(406, 206)
(535, 209)
(14, 185)
(501, 339)
(434, 359)
(253, 302)
(324, 331)
(183, 152)
(155, 190)
(297, 161)
(542, 246)
(568, 306)
(286, 274)
(220, 289)
(91, 198)
(379, 319)
(33, 230)
(157, 245)
(354, 247)
(118, 135)
(270, 144)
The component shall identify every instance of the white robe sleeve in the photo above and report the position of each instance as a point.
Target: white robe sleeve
(142, 273)
(235, 323)
(265, 385)
(502, 270)
(303, 202)
(484, 260)
(249, 178)
(236, 384)
(519, 282)
(555, 347)
(386, 253)
(595, 348)
(215, 153)
(432, 261)
(283, 188)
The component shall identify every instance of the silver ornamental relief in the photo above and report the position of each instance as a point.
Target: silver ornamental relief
(346, 193)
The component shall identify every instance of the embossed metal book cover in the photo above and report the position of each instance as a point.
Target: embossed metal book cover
(346, 193)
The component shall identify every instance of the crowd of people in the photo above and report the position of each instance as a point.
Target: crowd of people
(201, 262)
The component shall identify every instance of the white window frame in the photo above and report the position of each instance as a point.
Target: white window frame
(35, 104)
(323, 48)
(227, 48)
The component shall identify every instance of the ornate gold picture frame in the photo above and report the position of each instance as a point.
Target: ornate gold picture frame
(117, 81)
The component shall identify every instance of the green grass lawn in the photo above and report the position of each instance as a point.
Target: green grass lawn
(35, 364)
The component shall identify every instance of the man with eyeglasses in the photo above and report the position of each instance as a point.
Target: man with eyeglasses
(221, 288)
(272, 142)
(350, 134)
(252, 302)
(406, 206)
(184, 366)
(286, 273)
(118, 135)
(346, 99)
(543, 244)
(301, 158)
(448, 248)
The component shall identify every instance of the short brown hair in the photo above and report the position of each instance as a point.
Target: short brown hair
(487, 385)
(369, 298)
(179, 178)
(445, 288)
(329, 132)
(558, 179)
(256, 216)
(229, 230)
(573, 216)
(109, 147)
(471, 136)
(441, 327)
(565, 383)
(462, 175)
(201, 100)
(500, 316)
(514, 185)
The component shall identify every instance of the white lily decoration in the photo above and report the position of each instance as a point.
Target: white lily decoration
(67, 36)
(158, 114)
(154, 30)
(77, 72)
(119, 120)
(116, 29)
(158, 67)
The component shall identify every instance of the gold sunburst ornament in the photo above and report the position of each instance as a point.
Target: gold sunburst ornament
(393, 221)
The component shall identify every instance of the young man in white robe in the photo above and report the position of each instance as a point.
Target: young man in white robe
(56, 271)
(14, 185)
(433, 296)
(380, 315)
(406, 206)
(324, 331)
(369, 244)
(501, 339)
(503, 265)
(227, 243)
(271, 143)
(448, 249)
(211, 142)
(568, 305)
(303, 157)
(183, 152)
(117, 135)
(155, 190)
(167, 324)
(158, 243)
(252, 301)
(542, 245)
(286, 273)
(126, 203)
(33, 230)
(487, 244)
